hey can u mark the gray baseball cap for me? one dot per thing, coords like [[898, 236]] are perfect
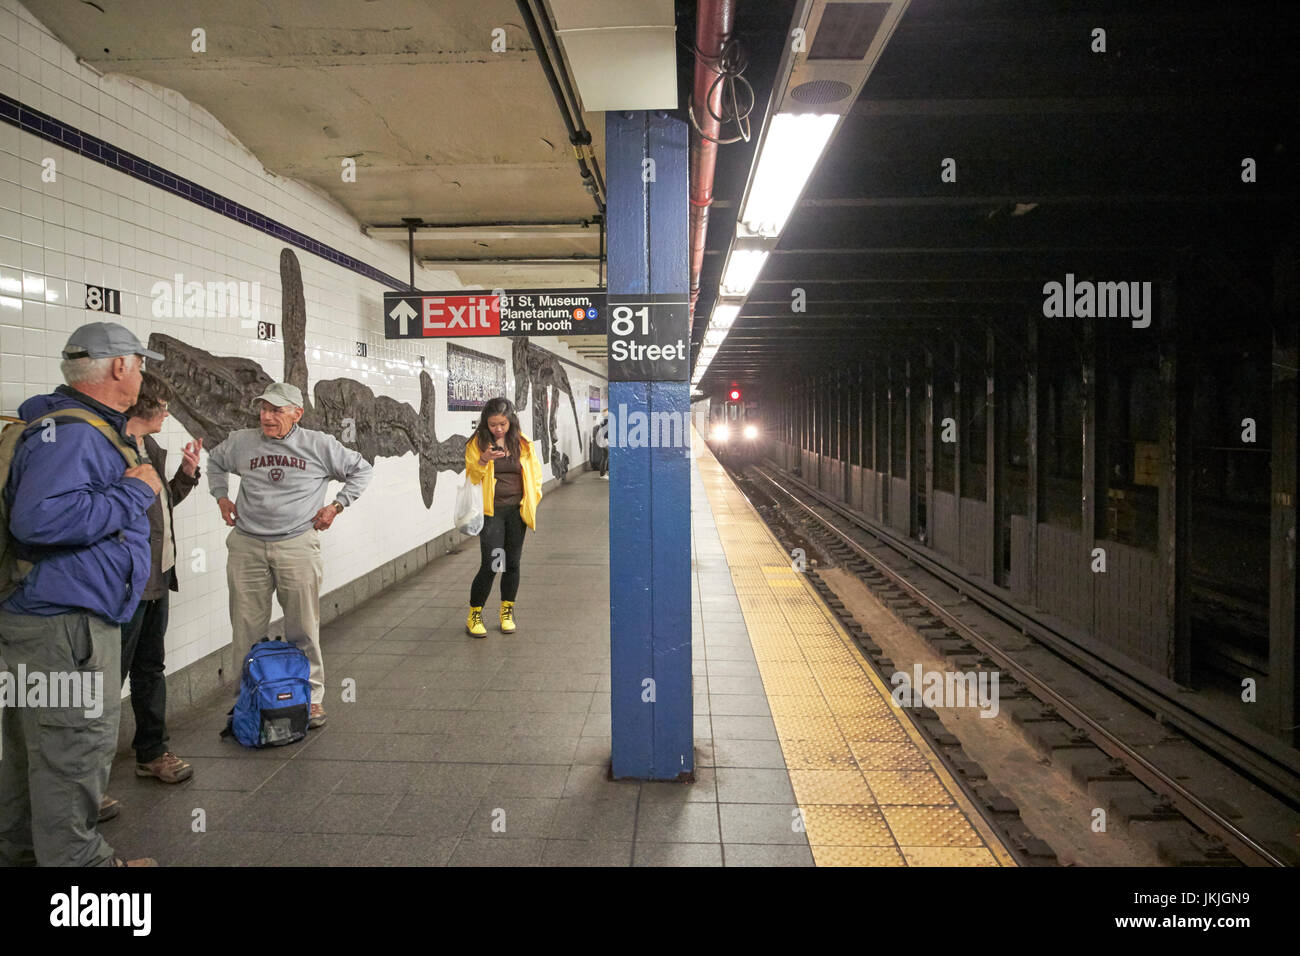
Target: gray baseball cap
[[98, 340], [280, 394]]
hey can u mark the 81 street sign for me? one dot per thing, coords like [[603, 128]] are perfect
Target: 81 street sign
[[647, 339], [420, 315]]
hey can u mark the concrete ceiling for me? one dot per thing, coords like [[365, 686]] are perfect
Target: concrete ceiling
[[441, 127], [1119, 165]]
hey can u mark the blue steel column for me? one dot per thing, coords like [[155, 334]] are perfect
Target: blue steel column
[[649, 505]]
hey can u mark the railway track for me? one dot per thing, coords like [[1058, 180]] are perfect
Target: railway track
[[1122, 741]]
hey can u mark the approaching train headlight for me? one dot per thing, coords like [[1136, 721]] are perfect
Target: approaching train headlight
[[721, 432], [751, 431]]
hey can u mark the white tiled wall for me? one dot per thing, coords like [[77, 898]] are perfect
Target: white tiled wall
[[98, 226]]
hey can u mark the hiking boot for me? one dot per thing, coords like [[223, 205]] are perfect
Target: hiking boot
[[507, 617], [317, 718], [168, 768], [474, 623], [143, 861], [108, 808]]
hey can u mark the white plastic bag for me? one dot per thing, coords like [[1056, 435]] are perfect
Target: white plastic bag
[[469, 508]]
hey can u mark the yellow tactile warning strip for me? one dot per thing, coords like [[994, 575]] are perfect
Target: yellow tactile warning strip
[[870, 791]]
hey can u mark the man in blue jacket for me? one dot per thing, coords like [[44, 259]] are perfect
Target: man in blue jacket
[[77, 505]]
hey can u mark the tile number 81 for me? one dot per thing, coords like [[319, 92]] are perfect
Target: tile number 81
[[622, 323], [99, 299]]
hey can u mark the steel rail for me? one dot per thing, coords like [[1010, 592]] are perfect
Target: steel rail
[[1184, 800]]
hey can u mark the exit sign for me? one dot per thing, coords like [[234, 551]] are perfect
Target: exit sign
[[421, 315], [440, 316]]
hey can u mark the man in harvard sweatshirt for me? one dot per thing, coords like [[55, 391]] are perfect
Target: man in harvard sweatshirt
[[283, 472]]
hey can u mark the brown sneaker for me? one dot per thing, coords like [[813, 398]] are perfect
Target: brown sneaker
[[317, 718], [143, 861], [168, 768], [108, 808]]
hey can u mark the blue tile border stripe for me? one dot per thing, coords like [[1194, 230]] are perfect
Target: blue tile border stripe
[[92, 147]]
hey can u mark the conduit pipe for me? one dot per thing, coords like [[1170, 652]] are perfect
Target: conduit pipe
[[714, 22], [581, 142]]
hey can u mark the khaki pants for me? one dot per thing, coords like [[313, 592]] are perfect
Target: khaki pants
[[293, 570], [55, 759]]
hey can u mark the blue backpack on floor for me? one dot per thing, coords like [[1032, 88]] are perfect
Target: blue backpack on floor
[[274, 696]]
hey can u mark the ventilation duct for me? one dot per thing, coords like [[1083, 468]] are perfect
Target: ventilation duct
[[841, 42], [621, 53]]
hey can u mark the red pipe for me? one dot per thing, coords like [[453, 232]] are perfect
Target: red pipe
[[715, 20]]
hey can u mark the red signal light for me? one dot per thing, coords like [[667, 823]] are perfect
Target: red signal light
[[735, 394]]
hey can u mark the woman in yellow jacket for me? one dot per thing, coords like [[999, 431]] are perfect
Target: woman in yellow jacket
[[504, 462]]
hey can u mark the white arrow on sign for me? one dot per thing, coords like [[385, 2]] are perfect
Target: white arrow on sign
[[402, 311]]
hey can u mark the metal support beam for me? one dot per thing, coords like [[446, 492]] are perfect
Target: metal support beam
[[959, 417], [651, 704], [887, 479], [1284, 676], [929, 448], [1031, 397], [862, 393], [907, 446], [1174, 501], [1088, 476], [1001, 514], [991, 475], [875, 447]]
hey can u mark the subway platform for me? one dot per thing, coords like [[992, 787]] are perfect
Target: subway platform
[[467, 752]]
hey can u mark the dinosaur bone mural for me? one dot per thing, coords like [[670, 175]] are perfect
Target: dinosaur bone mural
[[537, 371], [214, 396]]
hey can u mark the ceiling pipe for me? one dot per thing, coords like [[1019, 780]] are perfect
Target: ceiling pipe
[[584, 134], [580, 148], [438, 232], [714, 22]]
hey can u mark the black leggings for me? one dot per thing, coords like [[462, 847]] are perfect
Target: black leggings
[[502, 535]]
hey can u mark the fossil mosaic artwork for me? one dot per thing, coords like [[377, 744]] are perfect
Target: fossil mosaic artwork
[[540, 373], [214, 396]]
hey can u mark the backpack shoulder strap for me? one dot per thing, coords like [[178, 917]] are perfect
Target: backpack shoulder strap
[[129, 452]]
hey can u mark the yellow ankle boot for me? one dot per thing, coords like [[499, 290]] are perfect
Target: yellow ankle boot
[[507, 617], [474, 624]]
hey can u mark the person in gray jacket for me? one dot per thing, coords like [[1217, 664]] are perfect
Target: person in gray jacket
[[277, 520]]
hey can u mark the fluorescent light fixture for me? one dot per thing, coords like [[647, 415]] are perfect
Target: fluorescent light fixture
[[707, 352], [724, 314], [743, 267], [791, 148], [714, 336]]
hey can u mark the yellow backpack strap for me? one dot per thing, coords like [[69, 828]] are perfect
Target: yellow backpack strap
[[128, 451]]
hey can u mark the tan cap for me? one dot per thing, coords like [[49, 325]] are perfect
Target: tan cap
[[280, 394]]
